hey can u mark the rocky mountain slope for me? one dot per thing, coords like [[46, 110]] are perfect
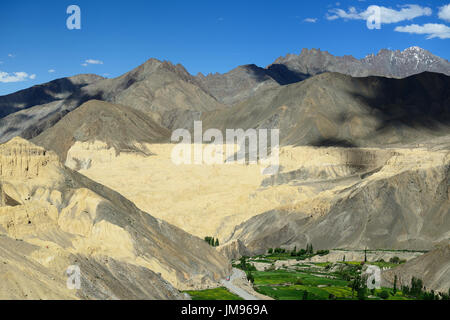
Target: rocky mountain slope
[[370, 198], [174, 98], [167, 93], [245, 81], [338, 110], [433, 268], [338, 117], [58, 89], [156, 88], [364, 163], [123, 128], [233, 250], [52, 217], [386, 63], [393, 198]]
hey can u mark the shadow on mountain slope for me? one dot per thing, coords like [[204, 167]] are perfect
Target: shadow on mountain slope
[[283, 75], [333, 109], [419, 101], [44, 93]]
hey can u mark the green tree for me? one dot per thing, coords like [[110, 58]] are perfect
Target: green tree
[[216, 244], [356, 284], [305, 295], [395, 284], [384, 294], [294, 252], [395, 260], [243, 263], [416, 286], [362, 292], [270, 251], [250, 277]]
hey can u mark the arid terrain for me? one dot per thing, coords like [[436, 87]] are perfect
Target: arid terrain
[[87, 176]]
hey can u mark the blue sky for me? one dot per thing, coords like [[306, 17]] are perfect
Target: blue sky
[[205, 36]]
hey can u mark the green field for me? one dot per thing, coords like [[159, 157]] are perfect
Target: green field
[[213, 294], [291, 285], [285, 276], [302, 280]]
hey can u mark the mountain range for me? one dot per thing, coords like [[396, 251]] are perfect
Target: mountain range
[[174, 98], [86, 175], [244, 81]]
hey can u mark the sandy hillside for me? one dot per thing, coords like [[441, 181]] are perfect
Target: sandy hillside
[[335, 197], [433, 268], [52, 217]]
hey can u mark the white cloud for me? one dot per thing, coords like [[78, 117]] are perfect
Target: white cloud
[[11, 55], [51, 71], [444, 12], [432, 30], [91, 61], [311, 20], [15, 76], [407, 12]]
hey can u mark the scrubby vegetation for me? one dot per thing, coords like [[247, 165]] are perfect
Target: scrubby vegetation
[[302, 254], [212, 241], [396, 260], [418, 291], [213, 294], [342, 280]]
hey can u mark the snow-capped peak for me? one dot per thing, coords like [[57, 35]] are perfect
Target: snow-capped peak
[[414, 49]]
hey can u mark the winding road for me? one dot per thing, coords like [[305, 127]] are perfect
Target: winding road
[[236, 275]]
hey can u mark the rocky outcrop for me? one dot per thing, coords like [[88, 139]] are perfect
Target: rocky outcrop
[[120, 128], [333, 109], [64, 218], [38, 272], [233, 250], [403, 205], [20, 159]]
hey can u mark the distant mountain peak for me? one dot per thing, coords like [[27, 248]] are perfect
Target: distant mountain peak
[[243, 81], [415, 49]]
